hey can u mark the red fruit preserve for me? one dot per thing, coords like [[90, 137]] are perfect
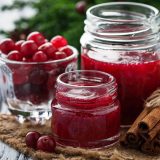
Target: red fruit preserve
[[86, 113], [135, 80], [127, 47]]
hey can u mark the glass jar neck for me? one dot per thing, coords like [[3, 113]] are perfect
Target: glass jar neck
[[122, 23], [86, 89]]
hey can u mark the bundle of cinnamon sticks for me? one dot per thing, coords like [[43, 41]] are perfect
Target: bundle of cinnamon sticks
[[144, 134]]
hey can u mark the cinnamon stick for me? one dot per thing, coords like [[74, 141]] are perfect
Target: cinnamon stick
[[132, 136], [148, 148], [149, 121], [152, 147], [153, 133]]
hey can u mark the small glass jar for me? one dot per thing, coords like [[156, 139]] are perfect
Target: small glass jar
[[86, 113], [27, 88], [122, 39]]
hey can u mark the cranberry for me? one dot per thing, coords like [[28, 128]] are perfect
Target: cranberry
[[48, 48], [18, 45], [27, 59], [28, 48], [32, 138], [37, 37], [67, 50], [36, 99], [39, 56], [38, 76], [19, 77], [15, 55], [52, 79], [46, 143], [23, 90], [7, 45], [81, 7], [59, 55], [59, 41]]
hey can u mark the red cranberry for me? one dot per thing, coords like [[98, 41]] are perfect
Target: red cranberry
[[59, 55], [81, 7], [48, 49], [7, 45], [46, 143], [23, 90], [25, 59], [36, 99], [38, 76], [51, 82], [15, 56], [32, 138], [18, 45], [19, 77], [28, 48], [37, 37], [67, 50], [59, 41], [39, 56]]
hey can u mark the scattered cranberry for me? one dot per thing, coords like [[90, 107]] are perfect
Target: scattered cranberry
[[32, 138], [67, 50], [7, 45], [39, 56], [46, 143], [28, 48], [48, 49], [15, 56], [59, 55], [37, 37], [81, 7], [59, 41], [18, 45]]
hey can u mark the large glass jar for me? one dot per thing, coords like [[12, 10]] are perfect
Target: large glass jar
[[122, 39]]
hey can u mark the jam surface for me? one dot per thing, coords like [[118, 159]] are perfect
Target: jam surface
[[85, 118], [137, 75]]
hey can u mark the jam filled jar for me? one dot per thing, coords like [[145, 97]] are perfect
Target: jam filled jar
[[122, 39], [86, 113]]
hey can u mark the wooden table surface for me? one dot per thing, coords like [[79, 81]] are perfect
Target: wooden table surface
[[6, 152]]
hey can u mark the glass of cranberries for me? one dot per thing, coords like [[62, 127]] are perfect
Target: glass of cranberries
[[29, 69]]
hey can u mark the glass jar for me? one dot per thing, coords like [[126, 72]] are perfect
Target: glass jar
[[27, 88], [122, 39], [86, 113]]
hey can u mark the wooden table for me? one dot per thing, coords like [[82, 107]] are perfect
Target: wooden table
[[8, 153]]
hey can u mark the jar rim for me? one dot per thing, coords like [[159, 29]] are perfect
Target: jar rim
[[122, 24], [111, 79], [89, 11]]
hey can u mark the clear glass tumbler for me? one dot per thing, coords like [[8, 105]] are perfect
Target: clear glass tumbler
[[28, 87]]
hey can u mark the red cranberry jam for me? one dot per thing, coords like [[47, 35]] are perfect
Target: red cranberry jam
[[86, 113]]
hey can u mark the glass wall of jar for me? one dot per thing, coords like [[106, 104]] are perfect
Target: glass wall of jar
[[122, 39], [86, 113]]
